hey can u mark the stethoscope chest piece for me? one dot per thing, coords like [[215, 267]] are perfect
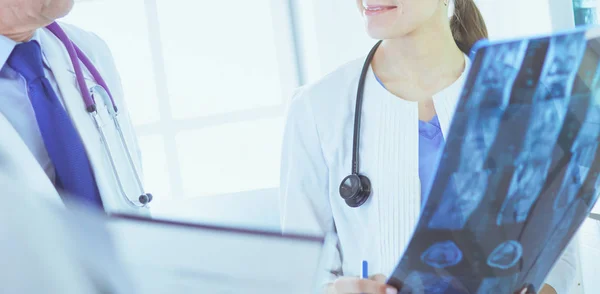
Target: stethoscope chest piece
[[355, 190]]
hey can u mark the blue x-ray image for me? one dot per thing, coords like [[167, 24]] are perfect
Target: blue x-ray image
[[426, 283], [460, 199], [563, 227], [499, 67], [546, 122], [442, 255], [593, 115], [577, 171], [589, 132], [567, 224], [497, 285], [591, 188], [501, 64], [527, 83], [591, 192], [552, 248], [568, 50], [506, 255], [552, 95], [519, 173], [524, 189], [481, 132], [566, 53]]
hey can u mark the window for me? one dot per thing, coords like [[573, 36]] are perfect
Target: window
[[206, 85]]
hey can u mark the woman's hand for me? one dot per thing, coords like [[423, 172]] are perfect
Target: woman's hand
[[351, 285], [376, 285], [547, 289]]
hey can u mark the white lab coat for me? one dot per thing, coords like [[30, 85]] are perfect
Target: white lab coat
[[36, 248], [58, 60], [45, 248], [317, 153]]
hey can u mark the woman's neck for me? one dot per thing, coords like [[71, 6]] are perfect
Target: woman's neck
[[425, 54], [418, 66]]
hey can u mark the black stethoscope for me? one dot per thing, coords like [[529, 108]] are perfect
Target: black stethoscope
[[355, 189]]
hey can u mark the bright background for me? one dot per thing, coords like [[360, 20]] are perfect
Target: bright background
[[207, 83]]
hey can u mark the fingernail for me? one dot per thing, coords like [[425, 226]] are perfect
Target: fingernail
[[391, 291]]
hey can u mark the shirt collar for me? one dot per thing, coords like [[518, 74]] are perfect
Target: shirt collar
[[7, 46]]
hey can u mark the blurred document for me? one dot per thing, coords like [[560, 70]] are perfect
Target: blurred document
[[172, 257]]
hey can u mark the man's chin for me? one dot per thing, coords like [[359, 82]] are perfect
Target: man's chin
[[20, 37], [57, 9], [20, 21], [68, 7]]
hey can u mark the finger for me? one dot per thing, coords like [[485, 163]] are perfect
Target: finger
[[379, 278], [355, 286], [525, 290]]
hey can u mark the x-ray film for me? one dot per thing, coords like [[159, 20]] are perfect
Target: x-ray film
[[520, 169]]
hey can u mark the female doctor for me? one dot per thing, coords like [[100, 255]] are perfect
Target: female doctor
[[60, 94], [409, 93]]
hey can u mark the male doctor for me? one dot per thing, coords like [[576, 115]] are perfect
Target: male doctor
[[44, 125]]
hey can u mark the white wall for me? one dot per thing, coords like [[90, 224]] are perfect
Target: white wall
[[207, 93], [251, 209], [333, 33]]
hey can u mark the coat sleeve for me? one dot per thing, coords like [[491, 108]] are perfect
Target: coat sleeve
[[304, 183], [563, 274]]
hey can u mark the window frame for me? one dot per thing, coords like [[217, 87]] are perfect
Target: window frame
[[167, 127]]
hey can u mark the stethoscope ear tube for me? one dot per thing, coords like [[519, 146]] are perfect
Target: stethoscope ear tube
[[355, 189], [99, 92], [358, 109], [76, 56]]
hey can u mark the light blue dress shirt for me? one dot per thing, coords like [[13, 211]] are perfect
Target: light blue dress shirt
[[16, 107]]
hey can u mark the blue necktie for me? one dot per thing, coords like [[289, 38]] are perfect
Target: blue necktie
[[73, 170]]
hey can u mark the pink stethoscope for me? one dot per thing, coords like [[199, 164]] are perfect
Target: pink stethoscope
[[102, 92]]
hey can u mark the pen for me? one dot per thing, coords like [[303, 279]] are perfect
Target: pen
[[365, 275], [365, 270]]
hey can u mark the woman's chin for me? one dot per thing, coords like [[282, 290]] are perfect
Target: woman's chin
[[383, 33]]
